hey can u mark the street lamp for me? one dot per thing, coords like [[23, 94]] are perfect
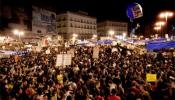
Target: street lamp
[[111, 33], [18, 33], [160, 23], [158, 26], [166, 15]]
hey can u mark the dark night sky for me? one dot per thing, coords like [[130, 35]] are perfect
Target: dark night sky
[[106, 9], [112, 9]]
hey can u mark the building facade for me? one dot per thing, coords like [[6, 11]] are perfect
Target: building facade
[[43, 21], [70, 23], [118, 28]]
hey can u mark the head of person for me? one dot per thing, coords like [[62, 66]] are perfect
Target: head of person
[[113, 92]]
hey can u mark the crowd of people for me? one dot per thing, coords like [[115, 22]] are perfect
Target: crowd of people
[[114, 75]]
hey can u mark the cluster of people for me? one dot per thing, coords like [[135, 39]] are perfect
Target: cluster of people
[[114, 75]]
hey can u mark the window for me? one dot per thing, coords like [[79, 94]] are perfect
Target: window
[[87, 27], [94, 27], [63, 25], [58, 26], [58, 19], [53, 16], [75, 20], [81, 26], [71, 25], [39, 31], [71, 19], [63, 19], [84, 26], [78, 20], [75, 26]]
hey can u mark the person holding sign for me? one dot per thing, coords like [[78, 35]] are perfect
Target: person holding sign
[[151, 77]]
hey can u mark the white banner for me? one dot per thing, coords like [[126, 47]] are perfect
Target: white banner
[[95, 52], [59, 60], [63, 59], [67, 59]]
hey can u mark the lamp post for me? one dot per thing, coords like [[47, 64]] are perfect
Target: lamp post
[[165, 15], [158, 26], [18, 33]]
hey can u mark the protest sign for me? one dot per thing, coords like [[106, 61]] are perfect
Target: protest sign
[[151, 77], [96, 52], [63, 59]]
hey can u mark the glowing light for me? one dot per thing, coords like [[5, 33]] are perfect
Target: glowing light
[[111, 32], [166, 14], [160, 23]]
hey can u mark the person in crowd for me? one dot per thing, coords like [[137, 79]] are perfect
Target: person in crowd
[[114, 75]]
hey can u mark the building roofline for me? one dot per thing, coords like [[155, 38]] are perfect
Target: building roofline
[[76, 13], [112, 21]]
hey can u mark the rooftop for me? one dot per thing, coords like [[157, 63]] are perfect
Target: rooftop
[[80, 13]]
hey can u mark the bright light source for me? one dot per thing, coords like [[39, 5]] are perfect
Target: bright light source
[[21, 33], [111, 32], [166, 14], [75, 35], [160, 23], [157, 28], [16, 32], [94, 36]]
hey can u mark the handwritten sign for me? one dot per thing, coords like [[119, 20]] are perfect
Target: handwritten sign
[[63, 59], [95, 52], [151, 77]]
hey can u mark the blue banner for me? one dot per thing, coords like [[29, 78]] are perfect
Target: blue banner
[[160, 45]]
